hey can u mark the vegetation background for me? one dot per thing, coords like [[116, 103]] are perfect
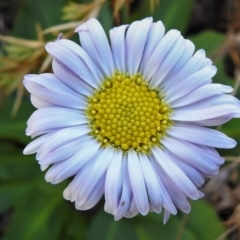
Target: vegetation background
[[32, 209]]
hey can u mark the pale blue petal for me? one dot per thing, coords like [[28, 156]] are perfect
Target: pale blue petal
[[113, 182], [201, 135], [187, 153], [200, 93], [117, 37], [154, 36], [187, 54], [184, 86], [175, 173], [62, 170], [135, 42], [76, 83], [168, 63], [137, 183], [94, 41], [152, 184], [207, 113], [98, 170], [75, 62], [159, 53]]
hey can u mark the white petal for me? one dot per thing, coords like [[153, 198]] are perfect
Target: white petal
[[187, 54], [176, 194], [167, 201], [72, 80], [135, 42], [210, 150], [93, 198], [137, 183], [65, 151], [98, 170], [55, 97], [75, 48], [133, 210], [166, 216], [192, 66], [159, 54], [50, 81], [200, 93], [219, 111], [126, 195], [75, 62], [184, 150], [60, 171], [107, 208], [117, 37], [39, 103], [209, 153], [43, 120], [207, 62], [194, 175], [35, 145], [201, 195], [184, 86], [201, 135], [213, 121], [74, 187], [211, 101], [114, 181], [152, 184], [95, 43], [43, 167], [62, 137], [168, 63], [175, 173], [154, 36]]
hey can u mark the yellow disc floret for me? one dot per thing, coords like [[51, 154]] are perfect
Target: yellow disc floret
[[127, 114]]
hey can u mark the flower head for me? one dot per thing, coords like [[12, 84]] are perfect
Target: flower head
[[128, 120]]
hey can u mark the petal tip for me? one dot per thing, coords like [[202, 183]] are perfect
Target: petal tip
[[80, 28]]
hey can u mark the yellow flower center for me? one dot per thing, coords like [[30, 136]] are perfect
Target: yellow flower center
[[127, 114]]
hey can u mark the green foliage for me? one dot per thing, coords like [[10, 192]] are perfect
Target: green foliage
[[36, 209], [46, 13], [13, 129], [201, 223], [105, 17], [174, 15], [209, 40]]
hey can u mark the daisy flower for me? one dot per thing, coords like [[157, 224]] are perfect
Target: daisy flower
[[129, 120]]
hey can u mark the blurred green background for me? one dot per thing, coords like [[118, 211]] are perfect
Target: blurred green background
[[32, 209]]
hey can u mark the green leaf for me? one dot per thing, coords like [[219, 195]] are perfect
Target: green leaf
[[40, 212], [208, 40], [46, 13], [204, 221], [232, 128], [174, 14], [33, 219], [221, 76], [13, 128], [75, 224], [105, 18], [11, 194], [15, 166], [149, 227]]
